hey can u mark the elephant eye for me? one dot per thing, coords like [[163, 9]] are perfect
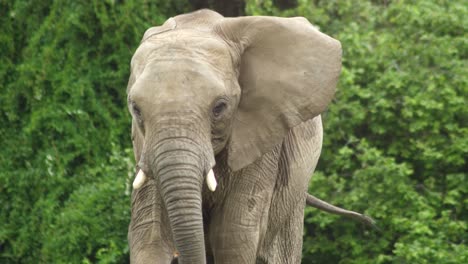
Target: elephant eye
[[219, 108], [136, 110]]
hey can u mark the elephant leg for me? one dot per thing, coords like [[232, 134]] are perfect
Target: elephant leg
[[148, 236], [283, 242], [290, 238], [239, 221], [285, 246]]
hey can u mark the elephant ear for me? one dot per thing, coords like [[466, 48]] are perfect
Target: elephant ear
[[288, 72]]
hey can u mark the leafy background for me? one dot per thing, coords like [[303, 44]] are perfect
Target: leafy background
[[395, 147]]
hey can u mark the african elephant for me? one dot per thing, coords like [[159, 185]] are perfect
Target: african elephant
[[235, 102]]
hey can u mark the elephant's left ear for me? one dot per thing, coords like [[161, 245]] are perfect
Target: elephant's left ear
[[288, 71]]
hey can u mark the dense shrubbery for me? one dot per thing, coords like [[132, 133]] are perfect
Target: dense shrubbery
[[395, 146]]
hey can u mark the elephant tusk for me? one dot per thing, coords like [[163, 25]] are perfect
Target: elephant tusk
[[139, 179], [211, 181]]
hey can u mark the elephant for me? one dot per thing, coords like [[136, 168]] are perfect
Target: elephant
[[236, 103]]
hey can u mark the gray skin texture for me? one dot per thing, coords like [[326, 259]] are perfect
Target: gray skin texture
[[242, 96]]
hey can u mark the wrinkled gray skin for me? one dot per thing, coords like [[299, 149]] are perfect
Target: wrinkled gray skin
[[241, 95]]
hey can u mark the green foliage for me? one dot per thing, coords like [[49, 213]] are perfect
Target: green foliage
[[395, 142]]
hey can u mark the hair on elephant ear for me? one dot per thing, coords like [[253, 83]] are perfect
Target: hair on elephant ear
[[288, 71]]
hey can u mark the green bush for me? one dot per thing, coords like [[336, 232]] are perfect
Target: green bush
[[395, 142]]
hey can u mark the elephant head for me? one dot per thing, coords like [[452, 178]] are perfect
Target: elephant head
[[202, 85]]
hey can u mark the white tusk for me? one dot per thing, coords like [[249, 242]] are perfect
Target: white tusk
[[211, 181], [139, 179]]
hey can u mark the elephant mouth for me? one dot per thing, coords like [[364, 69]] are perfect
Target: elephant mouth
[[218, 139], [218, 143]]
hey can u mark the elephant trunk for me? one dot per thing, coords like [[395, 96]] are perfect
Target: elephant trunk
[[180, 169]]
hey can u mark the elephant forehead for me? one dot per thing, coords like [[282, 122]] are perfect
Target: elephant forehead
[[177, 68], [186, 44], [177, 81]]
